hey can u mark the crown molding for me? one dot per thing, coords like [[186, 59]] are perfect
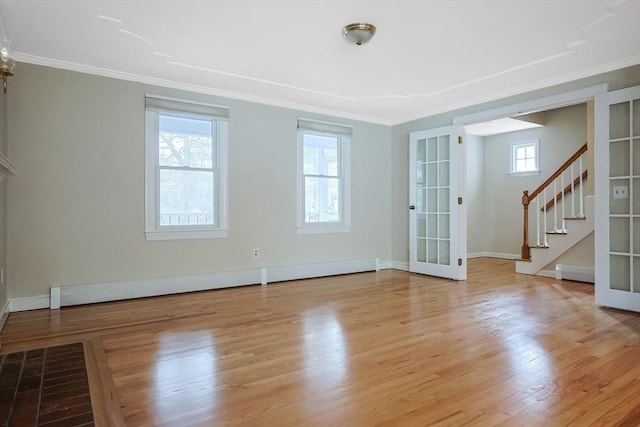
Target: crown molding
[[558, 80], [105, 72], [122, 75]]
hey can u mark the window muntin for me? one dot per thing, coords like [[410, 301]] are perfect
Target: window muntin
[[525, 157], [185, 170]]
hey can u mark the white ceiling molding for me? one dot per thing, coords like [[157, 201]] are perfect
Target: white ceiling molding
[[87, 69]]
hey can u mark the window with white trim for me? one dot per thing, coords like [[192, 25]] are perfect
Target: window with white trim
[[324, 204], [525, 159], [185, 169]]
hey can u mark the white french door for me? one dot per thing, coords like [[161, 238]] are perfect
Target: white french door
[[617, 190], [437, 224]]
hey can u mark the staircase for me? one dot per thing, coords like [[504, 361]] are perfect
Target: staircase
[[559, 221]]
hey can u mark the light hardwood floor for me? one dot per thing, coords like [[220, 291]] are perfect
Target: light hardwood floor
[[387, 348]]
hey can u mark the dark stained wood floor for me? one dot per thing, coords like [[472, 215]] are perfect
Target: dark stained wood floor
[[387, 348]]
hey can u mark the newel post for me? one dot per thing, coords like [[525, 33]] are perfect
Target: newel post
[[526, 252]]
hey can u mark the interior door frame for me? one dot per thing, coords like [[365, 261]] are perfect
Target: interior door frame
[[534, 105]]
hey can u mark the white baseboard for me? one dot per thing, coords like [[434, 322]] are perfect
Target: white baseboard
[[4, 314], [575, 273], [492, 255], [546, 273], [28, 303], [102, 292], [305, 271], [394, 265]]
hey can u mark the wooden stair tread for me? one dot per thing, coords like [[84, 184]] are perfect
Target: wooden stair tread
[[556, 232], [575, 218], [539, 247]]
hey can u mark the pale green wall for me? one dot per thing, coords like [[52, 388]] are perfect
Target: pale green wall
[[563, 133], [476, 199], [76, 206]]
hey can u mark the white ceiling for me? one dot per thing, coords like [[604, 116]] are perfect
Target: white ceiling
[[427, 56], [498, 126]]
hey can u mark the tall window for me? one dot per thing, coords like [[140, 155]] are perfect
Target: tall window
[[324, 177], [524, 158], [185, 169]]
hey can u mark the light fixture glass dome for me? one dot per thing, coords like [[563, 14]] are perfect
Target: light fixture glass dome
[[359, 33], [6, 55]]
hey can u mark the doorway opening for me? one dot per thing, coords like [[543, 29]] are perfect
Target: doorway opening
[[506, 154]]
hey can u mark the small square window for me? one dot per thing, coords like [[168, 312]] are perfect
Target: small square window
[[525, 158]]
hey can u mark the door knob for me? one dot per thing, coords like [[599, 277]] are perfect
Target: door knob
[[412, 207]]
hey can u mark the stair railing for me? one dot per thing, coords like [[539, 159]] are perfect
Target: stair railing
[[559, 218]]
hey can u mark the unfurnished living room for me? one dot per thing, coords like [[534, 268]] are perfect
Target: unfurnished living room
[[320, 213]]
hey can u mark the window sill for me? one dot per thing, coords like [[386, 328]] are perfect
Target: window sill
[[527, 173], [324, 229], [186, 234]]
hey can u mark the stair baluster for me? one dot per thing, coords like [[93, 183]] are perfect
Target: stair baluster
[[538, 220], [557, 198], [544, 232], [581, 200], [573, 194]]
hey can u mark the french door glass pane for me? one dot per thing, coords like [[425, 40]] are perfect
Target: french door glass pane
[[186, 197], [618, 206], [636, 117], [636, 274], [620, 272], [420, 201], [432, 174], [443, 199], [444, 252], [636, 236], [619, 155], [421, 155], [444, 226], [432, 149], [432, 200], [185, 141], [636, 195], [433, 226], [321, 199], [443, 147], [619, 121], [444, 173], [619, 235], [636, 155], [421, 226], [432, 251], [421, 250]]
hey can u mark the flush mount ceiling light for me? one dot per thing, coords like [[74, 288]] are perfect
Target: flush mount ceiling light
[[359, 33]]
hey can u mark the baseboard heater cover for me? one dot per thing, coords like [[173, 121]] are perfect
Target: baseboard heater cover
[[575, 273], [114, 291]]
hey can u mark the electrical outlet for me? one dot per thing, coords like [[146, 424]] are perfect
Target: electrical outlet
[[256, 253], [620, 192]]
